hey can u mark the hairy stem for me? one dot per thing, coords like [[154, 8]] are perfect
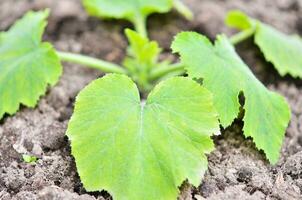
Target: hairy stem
[[183, 9], [140, 25], [163, 71], [95, 63], [243, 35]]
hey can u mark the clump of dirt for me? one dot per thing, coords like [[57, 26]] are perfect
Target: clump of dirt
[[237, 170]]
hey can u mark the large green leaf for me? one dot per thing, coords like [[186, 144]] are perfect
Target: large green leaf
[[142, 150], [223, 72], [283, 51], [27, 65]]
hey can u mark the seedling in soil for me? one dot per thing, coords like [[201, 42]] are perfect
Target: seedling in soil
[[138, 148], [29, 159]]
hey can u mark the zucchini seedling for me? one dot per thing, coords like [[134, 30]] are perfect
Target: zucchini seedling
[[138, 148]]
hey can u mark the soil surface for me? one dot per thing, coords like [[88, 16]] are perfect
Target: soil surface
[[236, 171]]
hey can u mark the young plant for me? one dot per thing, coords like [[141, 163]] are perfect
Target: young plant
[[152, 145], [28, 65], [144, 149], [142, 57], [29, 159]]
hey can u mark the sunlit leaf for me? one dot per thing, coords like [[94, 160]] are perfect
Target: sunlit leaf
[[27, 65], [223, 72], [282, 50], [142, 150]]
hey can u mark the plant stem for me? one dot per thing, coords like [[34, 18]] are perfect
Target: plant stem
[[183, 9], [140, 25], [155, 74], [163, 71], [95, 63], [243, 35]]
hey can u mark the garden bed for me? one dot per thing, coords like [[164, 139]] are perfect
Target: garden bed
[[237, 170]]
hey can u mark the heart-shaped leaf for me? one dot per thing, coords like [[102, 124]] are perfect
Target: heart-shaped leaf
[[142, 150]]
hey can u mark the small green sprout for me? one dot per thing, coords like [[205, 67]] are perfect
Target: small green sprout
[[29, 159]]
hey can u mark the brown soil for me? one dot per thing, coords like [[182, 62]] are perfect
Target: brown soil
[[236, 169]]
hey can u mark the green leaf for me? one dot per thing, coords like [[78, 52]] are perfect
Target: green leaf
[[283, 51], [142, 50], [130, 9], [223, 72], [29, 159], [142, 56], [142, 150], [27, 65], [126, 9], [135, 11], [238, 19]]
